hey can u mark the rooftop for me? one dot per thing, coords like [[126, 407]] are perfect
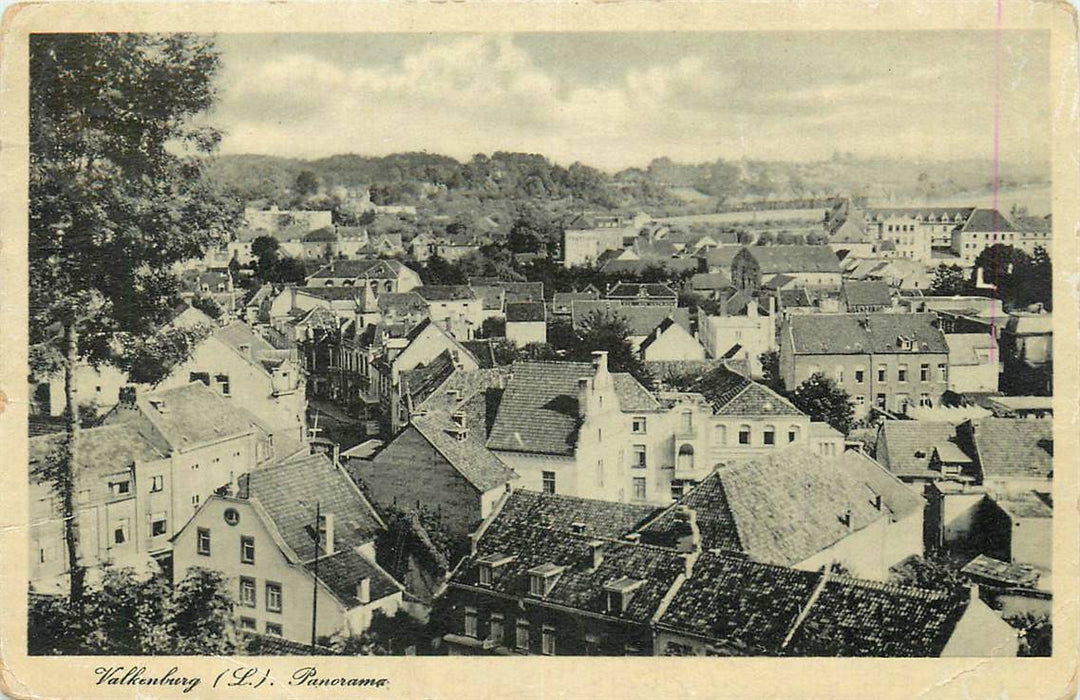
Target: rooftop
[[877, 333], [1010, 448], [640, 319], [445, 292], [866, 293], [794, 258], [343, 570], [525, 311], [102, 450], [186, 417], [911, 443]]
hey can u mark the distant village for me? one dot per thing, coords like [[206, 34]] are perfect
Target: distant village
[[799, 428]]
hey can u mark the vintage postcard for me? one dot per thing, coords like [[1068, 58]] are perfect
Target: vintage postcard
[[549, 349]]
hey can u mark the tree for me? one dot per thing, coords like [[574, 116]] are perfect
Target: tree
[[307, 183], [950, 280], [493, 327], [766, 238], [288, 271], [605, 330], [207, 305], [770, 369], [822, 400], [117, 196], [129, 616], [744, 237]]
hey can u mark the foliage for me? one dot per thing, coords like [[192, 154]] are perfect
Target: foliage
[[149, 359], [1019, 279], [493, 327], [117, 196], [950, 280], [128, 616], [770, 369], [932, 572], [1036, 634], [307, 183], [821, 399], [606, 330], [207, 305]]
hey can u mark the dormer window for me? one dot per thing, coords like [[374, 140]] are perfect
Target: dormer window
[[487, 564], [620, 592], [543, 578]]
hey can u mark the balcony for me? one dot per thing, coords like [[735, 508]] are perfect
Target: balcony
[[686, 462]]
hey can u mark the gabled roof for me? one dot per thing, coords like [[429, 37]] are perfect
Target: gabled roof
[[733, 394], [858, 334], [911, 443], [101, 450], [640, 319], [964, 348], [1015, 447], [578, 585], [186, 417], [238, 335], [720, 256], [343, 570], [401, 302], [445, 292], [483, 350], [423, 380], [353, 268], [559, 512], [320, 235], [779, 508], [525, 311], [708, 281], [866, 293], [653, 290], [772, 259], [561, 302], [792, 298], [658, 332], [899, 498], [987, 221], [492, 297], [289, 490]]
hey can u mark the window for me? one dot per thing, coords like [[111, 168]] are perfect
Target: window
[[924, 400], [522, 635], [860, 376], [924, 372], [273, 596], [676, 490], [881, 370], [639, 457], [744, 434], [195, 501], [639, 488], [769, 436], [592, 644], [720, 431], [157, 483], [839, 375], [273, 629], [247, 623], [860, 400], [203, 377], [901, 373], [549, 482], [157, 524], [496, 632], [470, 622], [247, 592], [485, 574], [121, 532], [547, 641], [232, 517], [202, 540], [637, 426], [879, 401], [222, 381], [792, 434], [119, 488], [247, 550], [943, 372]]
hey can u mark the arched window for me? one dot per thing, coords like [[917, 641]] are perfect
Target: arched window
[[744, 434], [768, 437], [686, 458], [329, 283], [793, 433], [720, 434]]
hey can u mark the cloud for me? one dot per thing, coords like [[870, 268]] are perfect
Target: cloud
[[463, 94]]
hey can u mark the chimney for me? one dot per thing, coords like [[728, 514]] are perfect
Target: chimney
[[751, 309], [337, 454], [633, 538], [582, 396], [845, 518], [973, 592], [772, 305], [723, 303], [599, 362], [326, 532], [363, 591], [596, 549]]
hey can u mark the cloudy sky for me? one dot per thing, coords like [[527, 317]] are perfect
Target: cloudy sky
[[619, 100]]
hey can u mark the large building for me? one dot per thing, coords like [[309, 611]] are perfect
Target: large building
[[887, 361], [810, 266]]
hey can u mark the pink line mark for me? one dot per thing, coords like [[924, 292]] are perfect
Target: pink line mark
[[995, 179]]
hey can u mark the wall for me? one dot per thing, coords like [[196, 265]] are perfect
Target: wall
[[673, 345], [411, 471], [755, 334], [863, 553], [270, 565], [1032, 542], [524, 332], [981, 632]]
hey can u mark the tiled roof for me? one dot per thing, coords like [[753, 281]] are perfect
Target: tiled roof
[[423, 380], [482, 350], [794, 258], [1015, 448], [927, 214], [238, 333], [325, 234], [492, 297], [730, 393], [652, 290], [189, 416], [789, 505], [445, 292], [866, 293], [609, 519], [721, 256], [633, 396], [640, 319], [745, 607], [794, 298], [910, 444], [1025, 504], [1001, 572], [1034, 224], [525, 311], [105, 449], [862, 618], [988, 221], [847, 334], [523, 291], [713, 515], [710, 281], [579, 586], [289, 490], [900, 499], [562, 301], [401, 302], [333, 293], [342, 571], [373, 268], [539, 409], [465, 452], [964, 348]]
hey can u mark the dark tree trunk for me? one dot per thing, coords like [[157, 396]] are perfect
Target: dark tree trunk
[[66, 478]]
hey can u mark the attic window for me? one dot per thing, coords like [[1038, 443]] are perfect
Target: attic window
[[619, 593], [577, 528], [488, 563], [920, 454], [543, 578]]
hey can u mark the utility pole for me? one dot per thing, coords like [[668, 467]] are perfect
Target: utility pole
[[315, 579]]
